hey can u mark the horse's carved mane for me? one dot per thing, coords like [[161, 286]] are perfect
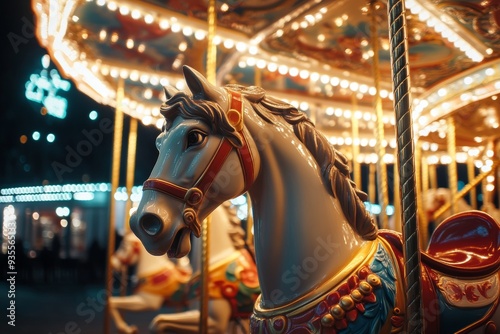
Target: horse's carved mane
[[333, 164]]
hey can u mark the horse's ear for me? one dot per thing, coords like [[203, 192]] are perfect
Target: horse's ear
[[204, 90], [169, 92]]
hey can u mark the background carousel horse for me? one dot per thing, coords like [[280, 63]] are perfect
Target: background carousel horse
[[323, 266], [233, 284], [159, 281], [433, 199]]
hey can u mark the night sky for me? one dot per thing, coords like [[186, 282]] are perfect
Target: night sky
[[40, 162]]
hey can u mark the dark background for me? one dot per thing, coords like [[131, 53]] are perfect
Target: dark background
[[49, 303], [32, 163]]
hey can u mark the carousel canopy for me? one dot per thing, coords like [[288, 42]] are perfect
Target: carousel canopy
[[317, 55]]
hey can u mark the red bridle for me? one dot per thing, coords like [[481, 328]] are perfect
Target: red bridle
[[193, 197]]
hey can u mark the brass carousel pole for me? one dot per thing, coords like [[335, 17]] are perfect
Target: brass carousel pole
[[115, 178], [211, 70], [425, 175], [470, 176], [452, 167], [383, 197], [132, 145], [425, 187], [355, 142], [371, 183], [211, 47], [498, 184], [420, 209], [397, 201], [404, 134], [433, 176]]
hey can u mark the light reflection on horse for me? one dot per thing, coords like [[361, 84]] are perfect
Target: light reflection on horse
[[160, 281], [323, 266]]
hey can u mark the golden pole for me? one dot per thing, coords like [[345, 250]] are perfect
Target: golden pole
[[397, 201], [205, 238], [383, 197], [132, 144], [452, 167], [371, 183], [205, 243], [470, 176], [115, 178], [425, 188], [211, 47], [355, 142], [425, 174], [418, 183], [498, 184], [433, 176]]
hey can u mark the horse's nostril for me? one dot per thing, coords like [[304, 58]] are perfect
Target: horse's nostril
[[151, 224]]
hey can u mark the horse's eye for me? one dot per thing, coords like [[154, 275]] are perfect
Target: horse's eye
[[195, 137]]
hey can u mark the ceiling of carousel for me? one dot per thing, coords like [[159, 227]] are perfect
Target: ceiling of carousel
[[315, 54]]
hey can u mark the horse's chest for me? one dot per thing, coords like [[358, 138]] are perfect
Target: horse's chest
[[363, 303]]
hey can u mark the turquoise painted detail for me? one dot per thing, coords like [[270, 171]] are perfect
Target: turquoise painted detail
[[376, 314]]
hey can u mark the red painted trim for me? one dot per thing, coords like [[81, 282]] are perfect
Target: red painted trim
[[166, 187], [214, 166]]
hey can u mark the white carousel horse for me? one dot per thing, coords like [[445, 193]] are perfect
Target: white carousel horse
[[233, 284], [433, 199], [323, 266], [159, 281]]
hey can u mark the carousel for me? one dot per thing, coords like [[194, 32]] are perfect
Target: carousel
[[364, 137]]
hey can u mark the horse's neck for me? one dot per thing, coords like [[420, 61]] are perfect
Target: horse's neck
[[220, 244], [301, 235]]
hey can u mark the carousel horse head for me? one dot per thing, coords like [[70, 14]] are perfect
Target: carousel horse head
[[210, 151], [205, 158]]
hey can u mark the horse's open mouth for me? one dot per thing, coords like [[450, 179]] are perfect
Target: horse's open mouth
[[181, 245]]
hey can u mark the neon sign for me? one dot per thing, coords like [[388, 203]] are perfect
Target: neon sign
[[43, 88]]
